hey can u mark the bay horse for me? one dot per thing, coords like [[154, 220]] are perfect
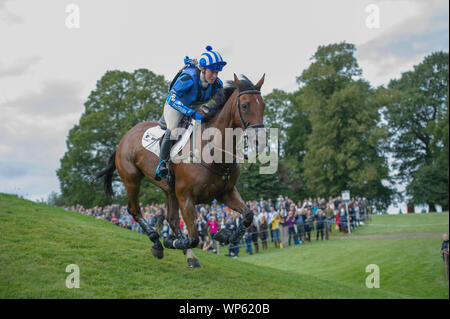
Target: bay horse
[[238, 105]]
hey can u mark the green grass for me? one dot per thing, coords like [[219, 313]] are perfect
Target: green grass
[[409, 268], [406, 224], [37, 242]]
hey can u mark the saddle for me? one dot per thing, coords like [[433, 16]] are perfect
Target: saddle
[[152, 139], [153, 136], [185, 122]]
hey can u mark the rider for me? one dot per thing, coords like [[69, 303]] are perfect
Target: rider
[[196, 84]]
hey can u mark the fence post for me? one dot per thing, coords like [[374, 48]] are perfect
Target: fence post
[[216, 243], [348, 219]]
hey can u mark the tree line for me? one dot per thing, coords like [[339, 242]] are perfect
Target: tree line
[[336, 132]]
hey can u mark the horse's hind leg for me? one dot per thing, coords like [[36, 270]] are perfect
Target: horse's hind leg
[[173, 215], [189, 216], [132, 186], [177, 240]]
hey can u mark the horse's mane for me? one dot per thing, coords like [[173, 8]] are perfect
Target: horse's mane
[[223, 95]]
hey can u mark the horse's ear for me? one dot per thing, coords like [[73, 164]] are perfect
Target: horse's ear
[[260, 82], [236, 80]]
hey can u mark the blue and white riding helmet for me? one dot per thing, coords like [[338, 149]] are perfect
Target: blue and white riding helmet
[[212, 60]]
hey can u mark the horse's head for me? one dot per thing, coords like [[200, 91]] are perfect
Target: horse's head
[[249, 110], [240, 105], [249, 107]]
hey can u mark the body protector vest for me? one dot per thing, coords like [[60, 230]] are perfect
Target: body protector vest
[[187, 91]]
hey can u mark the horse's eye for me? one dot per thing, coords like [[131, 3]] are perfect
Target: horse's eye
[[245, 106]]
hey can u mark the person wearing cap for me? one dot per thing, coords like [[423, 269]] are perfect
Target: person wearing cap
[[196, 84]]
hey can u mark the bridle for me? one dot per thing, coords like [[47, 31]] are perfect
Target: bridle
[[226, 171], [245, 125]]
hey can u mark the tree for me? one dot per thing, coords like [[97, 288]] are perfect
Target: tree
[[345, 147], [297, 128], [55, 199], [442, 132], [119, 101], [253, 185], [285, 111], [278, 104], [417, 116]]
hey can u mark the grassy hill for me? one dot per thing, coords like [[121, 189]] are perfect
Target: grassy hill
[[37, 242]]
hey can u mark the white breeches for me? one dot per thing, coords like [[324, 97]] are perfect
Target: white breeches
[[171, 116]]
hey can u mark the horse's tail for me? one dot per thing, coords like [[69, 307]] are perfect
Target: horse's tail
[[108, 172]]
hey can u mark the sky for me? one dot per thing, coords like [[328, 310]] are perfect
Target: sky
[[48, 67]]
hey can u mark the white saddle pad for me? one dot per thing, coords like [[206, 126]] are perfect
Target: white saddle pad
[[152, 137]]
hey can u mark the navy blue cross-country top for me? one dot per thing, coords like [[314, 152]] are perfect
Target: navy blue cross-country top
[[188, 91]]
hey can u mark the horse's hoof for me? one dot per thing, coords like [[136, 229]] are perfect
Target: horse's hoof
[[158, 253], [223, 236], [193, 263]]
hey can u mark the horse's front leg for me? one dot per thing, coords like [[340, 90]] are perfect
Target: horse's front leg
[[179, 240], [234, 201]]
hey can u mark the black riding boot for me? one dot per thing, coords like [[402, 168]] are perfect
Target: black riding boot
[[164, 155]]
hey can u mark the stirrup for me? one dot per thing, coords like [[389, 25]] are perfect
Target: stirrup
[[158, 174]]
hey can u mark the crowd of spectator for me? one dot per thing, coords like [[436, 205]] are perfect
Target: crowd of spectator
[[281, 223]]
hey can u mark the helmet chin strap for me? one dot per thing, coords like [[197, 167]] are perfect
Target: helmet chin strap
[[203, 78]]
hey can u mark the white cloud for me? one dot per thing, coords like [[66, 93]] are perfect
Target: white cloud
[[8, 16], [18, 68], [55, 98], [387, 68], [33, 130], [398, 48]]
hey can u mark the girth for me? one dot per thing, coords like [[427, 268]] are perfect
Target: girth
[[224, 171]]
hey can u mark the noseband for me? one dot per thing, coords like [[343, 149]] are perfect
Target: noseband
[[238, 105]]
